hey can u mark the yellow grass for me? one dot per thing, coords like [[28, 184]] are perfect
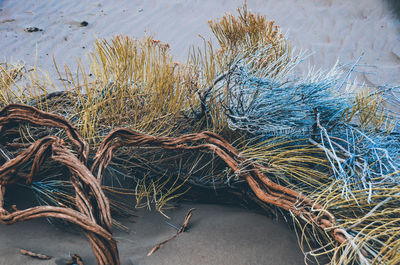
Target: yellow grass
[[251, 33], [137, 84], [134, 84], [22, 84], [369, 111]]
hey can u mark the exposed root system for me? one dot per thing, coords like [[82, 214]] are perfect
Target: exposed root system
[[92, 211], [263, 187]]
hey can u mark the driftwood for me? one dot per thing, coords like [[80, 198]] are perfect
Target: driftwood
[[264, 188], [14, 113], [92, 211]]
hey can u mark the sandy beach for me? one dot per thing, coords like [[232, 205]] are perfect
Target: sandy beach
[[216, 235], [328, 31]]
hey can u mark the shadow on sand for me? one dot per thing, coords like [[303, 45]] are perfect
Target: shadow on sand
[[394, 6]]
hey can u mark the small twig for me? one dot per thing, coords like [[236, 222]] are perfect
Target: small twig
[[34, 255], [156, 247], [75, 259], [186, 222], [181, 230]]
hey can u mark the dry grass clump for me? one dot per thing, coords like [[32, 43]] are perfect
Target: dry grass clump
[[372, 226], [369, 111], [247, 28], [248, 41], [20, 84], [340, 181], [135, 84], [251, 33], [369, 217]]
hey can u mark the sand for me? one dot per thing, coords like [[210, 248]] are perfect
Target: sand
[[328, 29], [216, 235]]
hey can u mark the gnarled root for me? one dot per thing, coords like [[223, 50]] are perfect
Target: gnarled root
[[15, 113], [262, 186], [93, 210]]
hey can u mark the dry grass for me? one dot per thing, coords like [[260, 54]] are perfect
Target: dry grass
[[135, 84], [252, 33], [290, 161], [372, 226], [369, 112], [247, 39], [247, 28], [22, 84], [207, 69], [158, 192]]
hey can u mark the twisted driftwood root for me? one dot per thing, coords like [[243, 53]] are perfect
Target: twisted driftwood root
[[263, 187], [93, 210], [14, 113]]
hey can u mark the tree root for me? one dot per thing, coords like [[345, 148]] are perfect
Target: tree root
[[264, 188], [93, 210], [14, 113]]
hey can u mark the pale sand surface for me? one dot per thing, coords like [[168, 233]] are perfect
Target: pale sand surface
[[330, 29], [216, 235]]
